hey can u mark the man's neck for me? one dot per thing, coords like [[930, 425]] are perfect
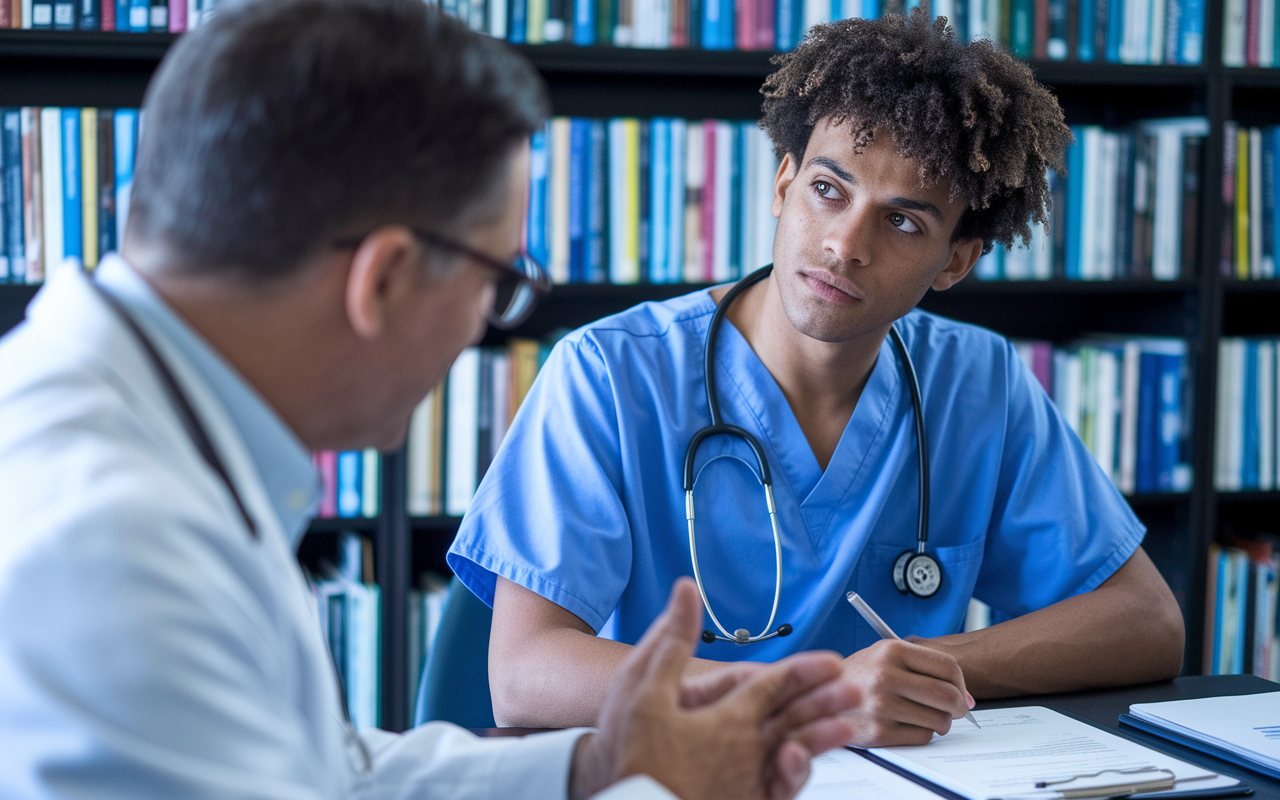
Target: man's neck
[[822, 381]]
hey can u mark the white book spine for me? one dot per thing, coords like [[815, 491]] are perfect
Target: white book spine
[[1041, 253], [945, 8], [676, 157], [1074, 407], [370, 488], [1104, 418], [418, 450], [1266, 356], [816, 12], [1110, 186], [498, 19], [724, 187], [461, 456], [662, 23], [500, 385], [1255, 204], [991, 19], [620, 268], [1155, 52], [558, 208], [51, 166], [746, 208], [1128, 477], [1168, 197], [1267, 33], [1089, 231], [1221, 480], [26, 13], [1235, 416], [1133, 42], [1233, 12]]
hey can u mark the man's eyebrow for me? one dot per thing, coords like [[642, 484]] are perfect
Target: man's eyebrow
[[841, 172], [918, 205], [901, 202]]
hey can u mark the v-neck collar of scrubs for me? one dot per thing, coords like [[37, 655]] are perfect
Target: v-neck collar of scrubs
[[751, 390]]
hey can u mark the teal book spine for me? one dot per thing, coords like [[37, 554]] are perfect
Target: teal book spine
[[72, 206]]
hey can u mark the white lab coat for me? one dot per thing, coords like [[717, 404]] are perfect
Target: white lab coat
[[149, 647]]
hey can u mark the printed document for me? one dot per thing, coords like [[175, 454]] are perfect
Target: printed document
[[1018, 747], [842, 775], [1247, 725]]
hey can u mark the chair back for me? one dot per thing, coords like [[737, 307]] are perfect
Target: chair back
[[455, 680]]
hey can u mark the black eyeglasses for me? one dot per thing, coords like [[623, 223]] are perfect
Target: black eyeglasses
[[518, 287]]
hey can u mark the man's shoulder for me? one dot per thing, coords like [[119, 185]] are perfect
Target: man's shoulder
[[929, 336], [646, 327]]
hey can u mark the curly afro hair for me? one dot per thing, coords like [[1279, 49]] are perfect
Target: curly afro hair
[[969, 113]]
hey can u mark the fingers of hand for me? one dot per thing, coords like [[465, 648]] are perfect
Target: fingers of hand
[[676, 642], [827, 700], [700, 690], [673, 622], [776, 686], [918, 673], [790, 771], [825, 734]]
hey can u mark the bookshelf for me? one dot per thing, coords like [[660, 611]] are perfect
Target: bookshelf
[[69, 68]]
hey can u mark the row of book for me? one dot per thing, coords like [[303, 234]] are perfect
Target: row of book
[[457, 428], [1115, 31], [1129, 401], [1250, 214], [1240, 635], [349, 606], [1128, 208], [67, 174], [426, 606], [1245, 436], [660, 200], [350, 483], [1250, 31]]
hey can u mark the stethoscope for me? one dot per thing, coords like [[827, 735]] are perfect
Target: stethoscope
[[915, 572], [357, 752]]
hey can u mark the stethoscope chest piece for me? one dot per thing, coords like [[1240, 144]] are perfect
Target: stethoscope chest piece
[[917, 574]]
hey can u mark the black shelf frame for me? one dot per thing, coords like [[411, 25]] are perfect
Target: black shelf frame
[[75, 68]]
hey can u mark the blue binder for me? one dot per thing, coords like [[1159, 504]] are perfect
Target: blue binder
[[1197, 745]]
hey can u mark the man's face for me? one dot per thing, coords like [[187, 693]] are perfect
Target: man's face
[[448, 314], [859, 241]]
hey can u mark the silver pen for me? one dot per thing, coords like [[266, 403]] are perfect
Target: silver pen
[[882, 628]]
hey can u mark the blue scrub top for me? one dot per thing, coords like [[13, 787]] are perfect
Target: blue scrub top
[[583, 503]]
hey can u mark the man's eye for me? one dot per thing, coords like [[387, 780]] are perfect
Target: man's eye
[[903, 223], [824, 189]]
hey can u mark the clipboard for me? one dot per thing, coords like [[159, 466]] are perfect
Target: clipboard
[[1239, 790]]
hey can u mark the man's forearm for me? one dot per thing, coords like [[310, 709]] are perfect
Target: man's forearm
[[1129, 630]]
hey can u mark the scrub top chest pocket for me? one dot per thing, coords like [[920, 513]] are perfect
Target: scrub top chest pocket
[[939, 615]]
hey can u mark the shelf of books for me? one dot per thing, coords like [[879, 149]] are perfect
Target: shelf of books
[[1144, 318]]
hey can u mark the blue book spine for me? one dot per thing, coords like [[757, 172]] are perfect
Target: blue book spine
[[1223, 567], [584, 22], [348, 479], [125, 136], [1084, 42], [784, 16], [1249, 458], [538, 244], [1191, 32], [1075, 202], [597, 271], [519, 14], [1268, 202], [1172, 24], [1171, 421], [713, 13], [90, 16], [675, 206], [122, 14], [1115, 28], [1148, 412], [64, 15], [41, 14], [836, 10], [14, 232], [72, 207], [659, 196], [871, 8], [727, 32], [579, 184], [139, 16]]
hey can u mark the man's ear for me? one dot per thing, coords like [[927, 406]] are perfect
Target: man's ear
[[964, 254], [380, 270], [787, 172]]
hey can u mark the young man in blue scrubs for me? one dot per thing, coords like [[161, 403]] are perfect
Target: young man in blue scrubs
[[905, 155]]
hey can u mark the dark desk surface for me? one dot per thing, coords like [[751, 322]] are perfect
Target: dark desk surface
[[1103, 708]]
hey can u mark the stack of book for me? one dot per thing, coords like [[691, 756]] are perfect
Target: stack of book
[[65, 194], [1250, 214], [1128, 208], [458, 427], [350, 483], [1245, 437], [1240, 608], [1128, 400], [661, 200], [349, 606], [1249, 33]]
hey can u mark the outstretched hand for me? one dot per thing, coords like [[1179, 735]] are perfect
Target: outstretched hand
[[745, 731]]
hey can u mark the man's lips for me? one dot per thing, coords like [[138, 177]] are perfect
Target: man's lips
[[832, 288]]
